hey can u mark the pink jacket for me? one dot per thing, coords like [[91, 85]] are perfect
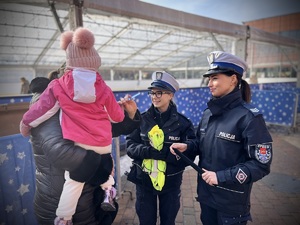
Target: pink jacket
[[88, 107]]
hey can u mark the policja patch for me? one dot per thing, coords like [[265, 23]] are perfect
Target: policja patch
[[263, 152]]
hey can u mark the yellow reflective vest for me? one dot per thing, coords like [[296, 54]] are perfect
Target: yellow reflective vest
[[156, 170]]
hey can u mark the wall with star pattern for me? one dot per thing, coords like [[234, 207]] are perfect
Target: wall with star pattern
[[17, 181]]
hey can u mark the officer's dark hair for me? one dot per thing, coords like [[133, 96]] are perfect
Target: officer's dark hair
[[243, 86], [246, 91]]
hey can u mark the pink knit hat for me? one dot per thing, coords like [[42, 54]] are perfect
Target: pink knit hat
[[80, 51]]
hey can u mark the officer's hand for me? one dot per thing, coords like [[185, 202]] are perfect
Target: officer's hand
[[210, 177], [179, 146]]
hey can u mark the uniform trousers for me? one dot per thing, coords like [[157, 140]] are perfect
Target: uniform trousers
[[146, 206], [211, 216]]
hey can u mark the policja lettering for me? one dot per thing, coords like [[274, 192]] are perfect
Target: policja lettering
[[227, 135], [172, 138]]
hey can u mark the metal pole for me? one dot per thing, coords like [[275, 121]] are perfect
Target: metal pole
[[118, 167], [75, 14], [55, 15]]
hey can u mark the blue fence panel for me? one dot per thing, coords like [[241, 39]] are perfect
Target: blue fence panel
[[255, 86], [278, 107], [298, 92], [275, 86], [191, 102], [15, 99], [17, 180], [287, 86]]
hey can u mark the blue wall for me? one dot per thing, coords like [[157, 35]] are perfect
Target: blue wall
[[277, 101]]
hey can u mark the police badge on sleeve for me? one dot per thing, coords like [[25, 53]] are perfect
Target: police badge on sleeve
[[263, 152]]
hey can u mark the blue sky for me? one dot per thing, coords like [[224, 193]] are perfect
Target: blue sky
[[234, 11]]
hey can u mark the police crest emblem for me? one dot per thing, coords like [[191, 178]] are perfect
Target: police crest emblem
[[159, 75], [211, 58], [263, 152]]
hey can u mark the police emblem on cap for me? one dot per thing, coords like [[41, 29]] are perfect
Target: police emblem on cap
[[263, 152], [164, 80], [211, 57], [159, 75]]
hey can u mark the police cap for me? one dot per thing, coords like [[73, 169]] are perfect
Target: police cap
[[165, 81], [223, 62]]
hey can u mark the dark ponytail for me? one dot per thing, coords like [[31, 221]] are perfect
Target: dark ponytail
[[246, 91]]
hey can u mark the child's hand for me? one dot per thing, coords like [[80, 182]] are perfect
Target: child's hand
[[24, 129]]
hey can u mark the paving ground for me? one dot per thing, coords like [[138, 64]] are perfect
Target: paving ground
[[275, 199]]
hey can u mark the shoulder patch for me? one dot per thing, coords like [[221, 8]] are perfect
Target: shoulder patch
[[255, 111], [263, 152]]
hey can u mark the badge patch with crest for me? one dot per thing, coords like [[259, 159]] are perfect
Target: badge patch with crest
[[263, 152]]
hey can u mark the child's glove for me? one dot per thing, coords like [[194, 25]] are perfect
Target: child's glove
[[24, 129], [156, 136]]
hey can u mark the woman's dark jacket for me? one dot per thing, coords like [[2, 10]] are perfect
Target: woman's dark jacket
[[53, 155], [176, 128], [233, 141]]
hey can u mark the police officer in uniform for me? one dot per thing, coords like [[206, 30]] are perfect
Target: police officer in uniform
[[174, 127], [233, 144]]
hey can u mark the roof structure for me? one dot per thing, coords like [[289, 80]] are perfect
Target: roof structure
[[129, 34]]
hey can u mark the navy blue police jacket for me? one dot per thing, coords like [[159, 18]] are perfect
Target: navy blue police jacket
[[232, 140], [176, 128]]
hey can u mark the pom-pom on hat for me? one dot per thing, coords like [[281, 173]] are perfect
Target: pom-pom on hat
[[165, 81], [80, 51], [224, 62]]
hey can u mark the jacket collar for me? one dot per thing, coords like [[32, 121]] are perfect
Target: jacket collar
[[163, 118], [219, 105]]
